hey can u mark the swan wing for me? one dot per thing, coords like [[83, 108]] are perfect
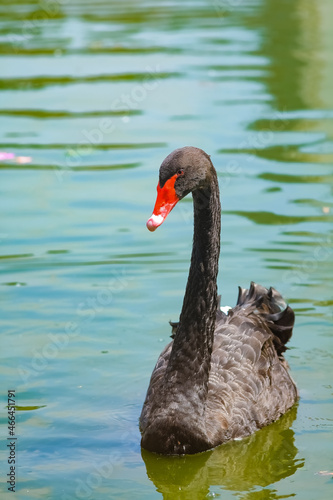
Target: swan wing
[[249, 383]]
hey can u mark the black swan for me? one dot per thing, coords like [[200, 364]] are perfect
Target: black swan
[[223, 376]]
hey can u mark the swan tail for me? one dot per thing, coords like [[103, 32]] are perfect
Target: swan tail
[[271, 308]]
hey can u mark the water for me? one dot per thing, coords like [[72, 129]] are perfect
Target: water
[[97, 94]]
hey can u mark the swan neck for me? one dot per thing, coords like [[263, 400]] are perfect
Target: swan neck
[[193, 342]]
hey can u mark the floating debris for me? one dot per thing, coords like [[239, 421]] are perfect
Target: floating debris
[[325, 473], [23, 159], [6, 156]]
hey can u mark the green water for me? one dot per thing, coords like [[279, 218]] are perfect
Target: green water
[[97, 94]]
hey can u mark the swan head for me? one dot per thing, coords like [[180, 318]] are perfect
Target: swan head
[[183, 171]]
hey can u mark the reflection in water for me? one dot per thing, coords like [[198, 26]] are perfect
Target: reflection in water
[[288, 67], [278, 219], [286, 154], [264, 458]]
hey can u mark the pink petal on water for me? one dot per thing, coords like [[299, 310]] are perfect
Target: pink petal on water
[[6, 156]]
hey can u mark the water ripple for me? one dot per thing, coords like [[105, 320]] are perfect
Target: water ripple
[[39, 82]]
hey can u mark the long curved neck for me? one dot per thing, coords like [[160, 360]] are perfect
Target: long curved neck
[[189, 362]]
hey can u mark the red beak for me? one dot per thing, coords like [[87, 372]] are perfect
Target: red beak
[[165, 201]]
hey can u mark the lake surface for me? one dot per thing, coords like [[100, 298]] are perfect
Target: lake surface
[[93, 96]]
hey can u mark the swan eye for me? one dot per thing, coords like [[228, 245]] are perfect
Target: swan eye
[[180, 172]]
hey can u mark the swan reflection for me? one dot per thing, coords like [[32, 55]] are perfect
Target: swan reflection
[[259, 460]]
